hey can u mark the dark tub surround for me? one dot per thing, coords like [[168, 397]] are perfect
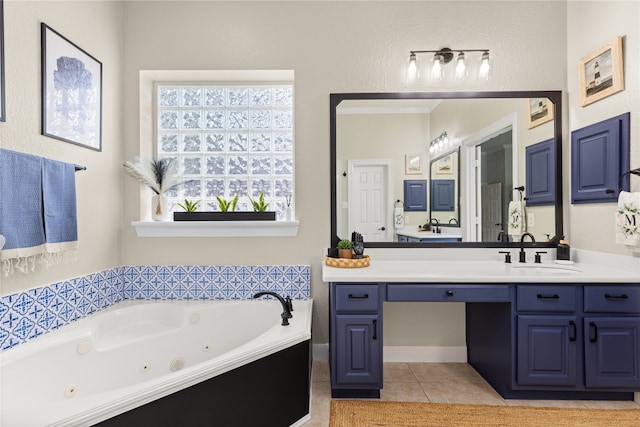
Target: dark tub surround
[[271, 392]]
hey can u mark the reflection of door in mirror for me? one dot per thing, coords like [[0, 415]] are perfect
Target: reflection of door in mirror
[[369, 200], [495, 168]]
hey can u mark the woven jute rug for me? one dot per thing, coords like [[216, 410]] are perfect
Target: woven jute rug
[[365, 413]]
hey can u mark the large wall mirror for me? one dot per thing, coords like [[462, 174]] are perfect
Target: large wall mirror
[[447, 169]]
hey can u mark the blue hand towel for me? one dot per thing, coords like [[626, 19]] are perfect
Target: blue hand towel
[[37, 210], [21, 219], [59, 205]]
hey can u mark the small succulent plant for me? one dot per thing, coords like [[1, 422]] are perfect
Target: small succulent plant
[[259, 205], [345, 244], [227, 205], [189, 206]]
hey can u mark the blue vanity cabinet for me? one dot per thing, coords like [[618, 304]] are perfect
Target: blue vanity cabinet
[[612, 337], [356, 339], [547, 350], [547, 330]]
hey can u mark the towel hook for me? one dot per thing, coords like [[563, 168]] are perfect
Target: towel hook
[[520, 190], [629, 172], [395, 205]]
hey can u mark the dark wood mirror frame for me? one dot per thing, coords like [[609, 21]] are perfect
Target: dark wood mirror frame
[[554, 96]]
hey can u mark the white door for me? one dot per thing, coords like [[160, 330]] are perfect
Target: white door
[[369, 200], [491, 203]]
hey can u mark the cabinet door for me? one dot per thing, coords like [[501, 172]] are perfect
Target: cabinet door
[[612, 355], [547, 350], [357, 351], [443, 195], [415, 195], [541, 174], [599, 155]]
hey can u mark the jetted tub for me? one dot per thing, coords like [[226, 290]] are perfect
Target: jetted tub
[[130, 356]]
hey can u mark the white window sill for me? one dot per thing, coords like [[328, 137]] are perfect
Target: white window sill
[[216, 228]]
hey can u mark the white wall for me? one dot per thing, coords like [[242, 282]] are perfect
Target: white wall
[[333, 47], [95, 27], [589, 26]]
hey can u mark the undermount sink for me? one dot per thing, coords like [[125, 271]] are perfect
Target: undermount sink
[[545, 268]]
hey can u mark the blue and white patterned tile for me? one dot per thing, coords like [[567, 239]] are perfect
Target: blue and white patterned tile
[[30, 314]]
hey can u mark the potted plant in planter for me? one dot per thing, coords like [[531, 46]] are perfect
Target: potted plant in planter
[[160, 176], [189, 206], [345, 249], [228, 212], [225, 205], [259, 205]]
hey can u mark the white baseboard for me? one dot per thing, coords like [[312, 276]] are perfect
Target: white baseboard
[[320, 352], [425, 354], [433, 354]]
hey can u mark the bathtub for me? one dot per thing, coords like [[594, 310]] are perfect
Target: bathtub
[[127, 357]]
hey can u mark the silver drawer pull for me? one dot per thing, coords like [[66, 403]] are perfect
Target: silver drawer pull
[[609, 296], [365, 296]]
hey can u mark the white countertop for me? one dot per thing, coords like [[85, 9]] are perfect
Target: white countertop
[[478, 271], [412, 232]]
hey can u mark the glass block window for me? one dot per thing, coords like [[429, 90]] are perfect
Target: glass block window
[[228, 140]]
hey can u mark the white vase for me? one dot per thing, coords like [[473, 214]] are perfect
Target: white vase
[[160, 208]]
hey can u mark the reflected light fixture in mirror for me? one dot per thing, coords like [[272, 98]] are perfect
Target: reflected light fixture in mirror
[[444, 56], [441, 143]]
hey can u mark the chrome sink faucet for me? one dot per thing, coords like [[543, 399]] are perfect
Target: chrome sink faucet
[[523, 254], [287, 305]]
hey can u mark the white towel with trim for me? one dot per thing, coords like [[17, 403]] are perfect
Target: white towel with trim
[[517, 223], [628, 220], [398, 217]]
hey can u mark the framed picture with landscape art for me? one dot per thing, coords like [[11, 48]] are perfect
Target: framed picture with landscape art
[[412, 164], [600, 73], [540, 110], [71, 92]]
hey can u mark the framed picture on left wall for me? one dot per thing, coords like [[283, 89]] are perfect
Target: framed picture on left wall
[[71, 92], [3, 114]]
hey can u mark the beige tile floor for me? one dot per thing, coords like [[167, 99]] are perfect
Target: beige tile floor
[[436, 383]]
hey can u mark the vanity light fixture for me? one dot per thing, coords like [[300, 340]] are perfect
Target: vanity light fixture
[[444, 56], [439, 144]]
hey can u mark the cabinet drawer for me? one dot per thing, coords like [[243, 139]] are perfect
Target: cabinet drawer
[[454, 293], [612, 299], [558, 298], [357, 298]]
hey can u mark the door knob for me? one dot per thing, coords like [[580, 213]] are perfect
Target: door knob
[[382, 228]]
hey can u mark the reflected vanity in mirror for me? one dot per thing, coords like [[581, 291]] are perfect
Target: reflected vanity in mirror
[[470, 176]]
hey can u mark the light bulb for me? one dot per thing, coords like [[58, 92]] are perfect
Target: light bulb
[[445, 138], [461, 66], [436, 70], [412, 69], [484, 66]]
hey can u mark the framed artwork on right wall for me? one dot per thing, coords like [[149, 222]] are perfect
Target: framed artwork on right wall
[[600, 73]]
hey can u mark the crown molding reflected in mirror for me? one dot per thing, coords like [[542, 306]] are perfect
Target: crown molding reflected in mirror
[[343, 158]]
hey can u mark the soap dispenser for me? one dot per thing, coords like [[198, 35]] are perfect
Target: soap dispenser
[[563, 252]]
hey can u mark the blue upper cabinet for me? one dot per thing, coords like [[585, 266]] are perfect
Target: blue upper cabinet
[[541, 175], [443, 195], [599, 156], [415, 195]]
